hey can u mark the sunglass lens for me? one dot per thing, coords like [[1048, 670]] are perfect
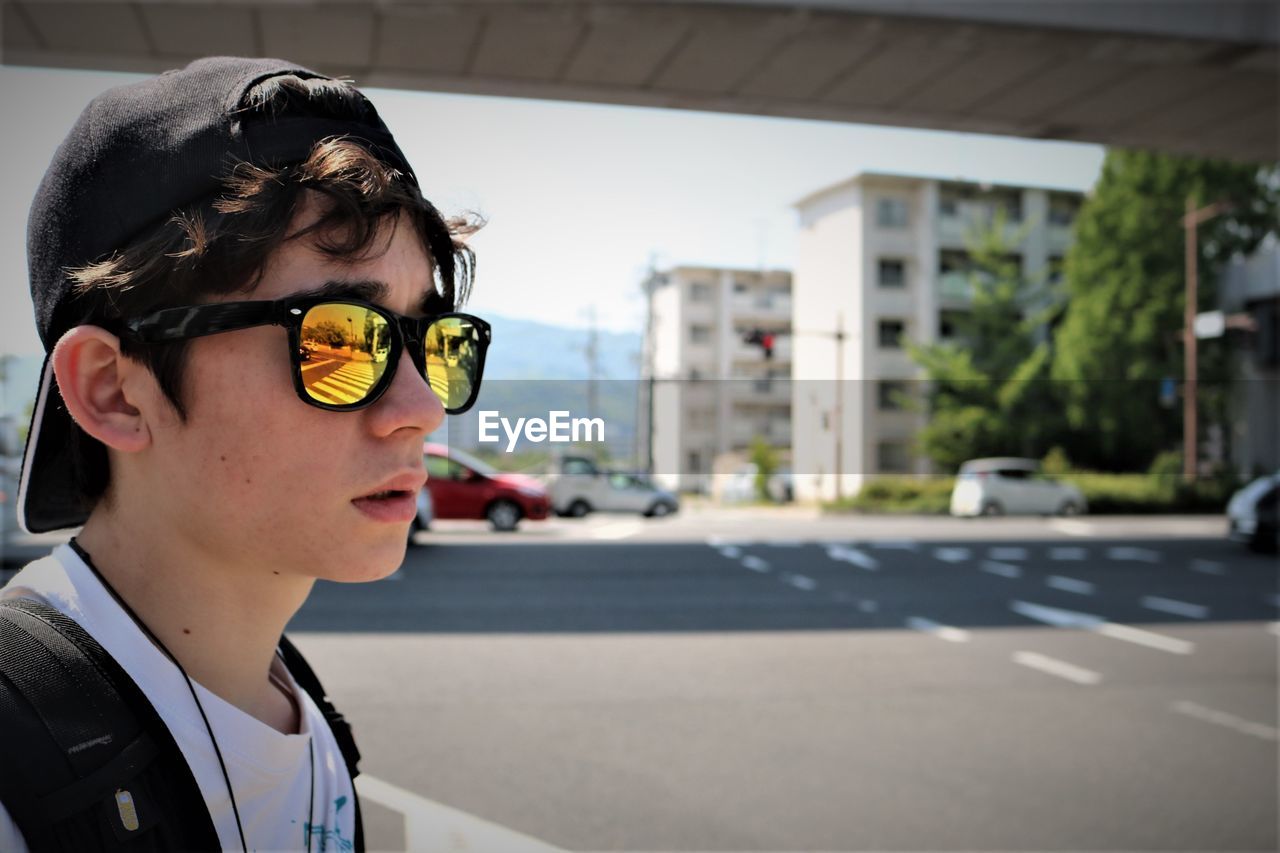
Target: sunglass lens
[[453, 360], [343, 349]]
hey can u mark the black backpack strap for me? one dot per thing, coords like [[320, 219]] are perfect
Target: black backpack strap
[[306, 678], [88, 763]]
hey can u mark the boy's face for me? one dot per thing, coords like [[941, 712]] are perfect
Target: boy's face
[[257, 478]]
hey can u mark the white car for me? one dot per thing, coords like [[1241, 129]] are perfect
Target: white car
[[1253, 514], [1012, 486], [578, 488]]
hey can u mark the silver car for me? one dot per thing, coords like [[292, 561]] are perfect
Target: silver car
[[1012, 486]]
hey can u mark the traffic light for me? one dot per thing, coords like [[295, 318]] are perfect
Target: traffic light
[[762, 339]]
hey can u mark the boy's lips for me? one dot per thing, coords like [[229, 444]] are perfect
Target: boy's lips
[[395, 500]]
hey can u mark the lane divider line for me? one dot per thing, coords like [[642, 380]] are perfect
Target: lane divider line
[[1208, 567], [1007, 553], [951, 555], [1061, 669], [846, 554], [1004, 570], [1067, 552], [1177, 608], [755, 564], [1138, 555], [1070, 585], [1222, 718], [803, 582], [895, 545]]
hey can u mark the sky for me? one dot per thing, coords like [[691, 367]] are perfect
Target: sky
[[579, 198]]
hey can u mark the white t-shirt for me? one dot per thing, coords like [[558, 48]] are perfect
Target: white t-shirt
[[271, 773]]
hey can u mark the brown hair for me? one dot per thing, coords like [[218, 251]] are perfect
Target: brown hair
[[221, 246]]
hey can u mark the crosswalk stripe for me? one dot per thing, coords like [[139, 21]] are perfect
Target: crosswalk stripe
[[1070, 585], [1004, 570]]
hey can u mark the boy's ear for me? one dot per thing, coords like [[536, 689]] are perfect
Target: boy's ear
[[94, 378]]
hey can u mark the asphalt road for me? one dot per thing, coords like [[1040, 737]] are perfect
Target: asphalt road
[[780, 681]]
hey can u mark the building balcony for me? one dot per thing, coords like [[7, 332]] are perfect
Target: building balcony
[[760, 305]]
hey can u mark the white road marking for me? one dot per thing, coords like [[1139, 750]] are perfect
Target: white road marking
[[1061, 618], [1222, 718], [1062, 669], [895, 545], [868, 605], [1140, 555], [1066, 553], [1150, 639], [730, 551], [942, 632], [1208, 567], [429, 825], [1177, 608], [716, 541], [1070, 585], [804, 582], [1007, 553], [951, 555], [861, 559], [784, 543], [1071, 527], [1004, 570], [617, 530], [754, 563]]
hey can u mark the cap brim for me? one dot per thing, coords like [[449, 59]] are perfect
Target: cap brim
[[49, 495]]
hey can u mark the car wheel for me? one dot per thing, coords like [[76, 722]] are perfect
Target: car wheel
[[659, 509], [503, 515], [1069, 509], [1265, 539], [578, 509], [992, 508]]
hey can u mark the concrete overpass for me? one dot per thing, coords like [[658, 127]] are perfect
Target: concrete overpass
[[1186, 76]]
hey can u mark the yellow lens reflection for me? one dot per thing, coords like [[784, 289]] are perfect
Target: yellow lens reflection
[[452, 357], [343, 349]]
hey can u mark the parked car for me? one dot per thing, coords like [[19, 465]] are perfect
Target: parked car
[[463, 486], [1012, 486], [426, 514], [1253, 514], [740, 486], [578, 487]]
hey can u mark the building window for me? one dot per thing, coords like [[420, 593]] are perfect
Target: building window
[[699, 292], [699, 334], [1063, 208], [739, 287], [695, 462], [949, 324], [891, 212], [893, 457], [893, 272], [891, 395], [890, 334]]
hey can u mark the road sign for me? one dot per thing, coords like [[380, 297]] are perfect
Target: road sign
[[1210, 324]]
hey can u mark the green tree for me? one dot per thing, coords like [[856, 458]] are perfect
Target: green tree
[[765, 458], [987, 388], [1120, 334]]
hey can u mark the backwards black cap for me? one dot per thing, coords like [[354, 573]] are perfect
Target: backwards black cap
[[137, 154]]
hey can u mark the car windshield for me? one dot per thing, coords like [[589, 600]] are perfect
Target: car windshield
[[477, 465]]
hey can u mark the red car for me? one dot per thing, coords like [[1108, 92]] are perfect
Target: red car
[[462, 486]]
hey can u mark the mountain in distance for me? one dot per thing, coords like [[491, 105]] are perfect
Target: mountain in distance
[[526, 349]]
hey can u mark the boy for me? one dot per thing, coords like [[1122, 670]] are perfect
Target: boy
[[245, 299]]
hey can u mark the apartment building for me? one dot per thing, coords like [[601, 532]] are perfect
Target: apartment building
[[882, 259], [713, 393]]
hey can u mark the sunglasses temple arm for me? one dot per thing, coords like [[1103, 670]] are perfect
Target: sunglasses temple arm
[[175, 324]]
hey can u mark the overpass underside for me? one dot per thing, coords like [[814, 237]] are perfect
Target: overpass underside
[[1177, 86]]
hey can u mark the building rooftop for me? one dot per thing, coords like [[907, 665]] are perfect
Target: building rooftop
[[862, 177]]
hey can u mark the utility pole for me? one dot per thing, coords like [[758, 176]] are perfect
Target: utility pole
[[1190, 222], [839, 405]]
